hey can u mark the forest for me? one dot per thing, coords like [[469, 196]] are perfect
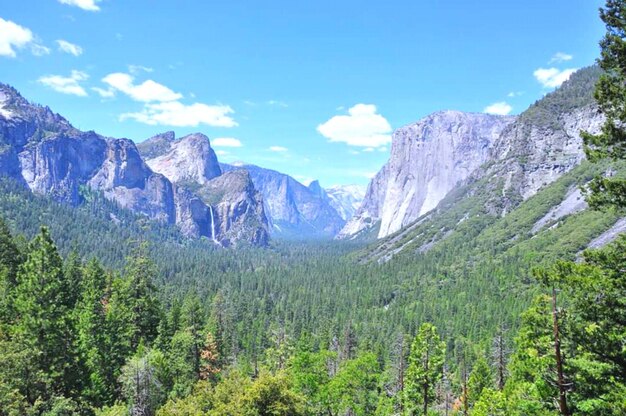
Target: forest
[[103, 312]]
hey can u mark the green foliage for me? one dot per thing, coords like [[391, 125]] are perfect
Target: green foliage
[[425, 369], [610, 93]]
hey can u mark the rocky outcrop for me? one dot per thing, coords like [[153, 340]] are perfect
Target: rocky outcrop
[[42, 150], [346, 199], [428, 159], [431, 157], [236, 208], [189, 159], [293, 210], [223, 207]]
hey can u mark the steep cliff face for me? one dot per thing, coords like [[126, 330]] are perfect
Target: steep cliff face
[[428, 159], [42, 150], [346, 199], [225, 208], [236, 209], [368, 214], [292, 208], [545, 142], [529, 184], [188, 159]]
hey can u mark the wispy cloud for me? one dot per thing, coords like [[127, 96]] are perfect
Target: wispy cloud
[[68, 47], [278, 149], [226, 142], [66, 85], [277, 103], [560, 57], [514, 94], [362, 127], [89, 5], [135, 69], [501, 108], [553, 77], [104, 93]]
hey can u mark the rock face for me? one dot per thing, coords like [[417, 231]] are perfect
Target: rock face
[[294, 210], [237, 209], [433, 156], [346, 199], [226, 208], [43, 151], [545, 142], [189, 159], [428, 159]]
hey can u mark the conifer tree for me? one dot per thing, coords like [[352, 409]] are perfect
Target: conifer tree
[[425, 369], [44, 326], [611, 97]]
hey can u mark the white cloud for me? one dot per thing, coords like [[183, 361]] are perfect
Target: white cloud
[[226, 142], [89, 5], [369, 149], [108, 93], [553, 77], [514, 94], [134, 69], [66, 85], [148, 91], [13, 36], [39, 50], [221, 152], [502, 109], [560, 57], [278, 149], [68, 47], [175, 113], [361, 127], [278, 103]]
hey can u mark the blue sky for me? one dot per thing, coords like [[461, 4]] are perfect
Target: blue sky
[[312, 89]]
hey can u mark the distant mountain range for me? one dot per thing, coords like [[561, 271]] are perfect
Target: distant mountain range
[[181, 181], [168, 179]]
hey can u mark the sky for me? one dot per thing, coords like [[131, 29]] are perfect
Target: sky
[[309, 88]]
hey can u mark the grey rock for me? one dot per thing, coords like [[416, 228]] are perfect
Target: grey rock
[[346, 199], [428, 159], [292, 208]]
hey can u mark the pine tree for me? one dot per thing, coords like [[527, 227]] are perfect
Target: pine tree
[[44, 325], [610, 95], [93, 335], [10, 258], [425, 369], [480, 378]]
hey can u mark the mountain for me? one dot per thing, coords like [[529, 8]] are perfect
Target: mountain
[[224, 207], [346, 199], [527, 193], [428, 159], [294, 210], [43, 151]]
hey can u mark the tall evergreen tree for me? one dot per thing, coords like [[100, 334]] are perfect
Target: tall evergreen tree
[[611, 97], [425, 369], [44, 325], [93, 335]]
